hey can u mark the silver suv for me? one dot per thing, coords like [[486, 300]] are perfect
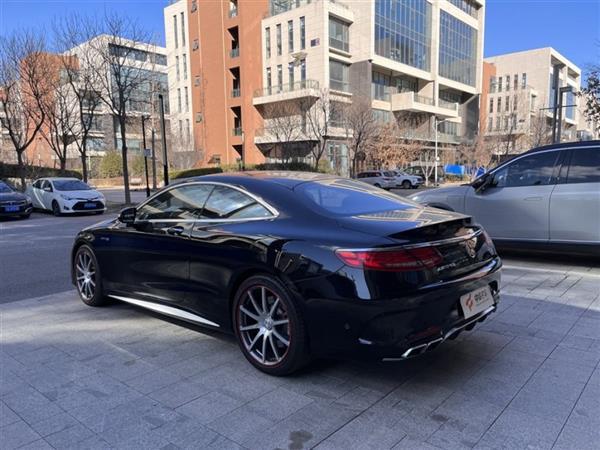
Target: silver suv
[[406, 181], [548, 195], [384, 179]]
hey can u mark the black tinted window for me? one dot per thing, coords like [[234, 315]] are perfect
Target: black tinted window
[[183, 203], [348, 198], [585, 166], [228, 203], [533, 170]]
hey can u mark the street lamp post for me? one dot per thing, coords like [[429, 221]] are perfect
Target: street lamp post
[[145, 154], [436, 122]]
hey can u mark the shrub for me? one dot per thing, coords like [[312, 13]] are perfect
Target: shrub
[[293, 166], [195, 172], [32, 172], [137, 167], [111, 165]]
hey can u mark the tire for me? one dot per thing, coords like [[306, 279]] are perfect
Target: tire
[[55, 208], [91, 295], [406, 184], [99, 212], [25, 216], [274, 348]]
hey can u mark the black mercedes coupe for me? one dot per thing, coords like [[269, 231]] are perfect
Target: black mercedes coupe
[[296, 265]]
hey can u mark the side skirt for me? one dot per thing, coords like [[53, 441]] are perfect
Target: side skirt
[[168, 311]]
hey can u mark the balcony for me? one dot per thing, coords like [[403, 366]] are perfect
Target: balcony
[[237, 131], [411, 101], [235, 52], [299, 89], [235, 93]]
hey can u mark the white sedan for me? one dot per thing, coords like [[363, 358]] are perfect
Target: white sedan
[[65, 196]]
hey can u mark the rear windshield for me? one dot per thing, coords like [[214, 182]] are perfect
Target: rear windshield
[[389, 174], [70, 185], [4, 188], [349, 198]]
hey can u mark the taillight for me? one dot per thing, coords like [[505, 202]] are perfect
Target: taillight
[[398, 260]]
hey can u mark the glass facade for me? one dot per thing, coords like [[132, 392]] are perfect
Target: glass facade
[[403, 31], [458, 50], [570, 110], [466, 5]]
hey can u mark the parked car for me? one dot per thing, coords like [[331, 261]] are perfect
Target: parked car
[[417, 171], [66, 196], [296, 265], [406, 181], [384, 179], [548, 197], [13, 203]]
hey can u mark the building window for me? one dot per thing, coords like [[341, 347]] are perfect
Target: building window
[[499, 84], [403, 31], [499, 105], [303, 70], [492, 85], [458, 50], [516, 82], [181, 130], [269, 81], [507, 105], [290, 36], [490, 124], [570, 109], [339, 34], [195, 45], [291, 75], [175, 31], [187, 99], [278, 36], [184, 58], [177, 66], [491, 105], [508, 82], [523, 80], [515, 101], [302, 33], [268, 42], [338, 75], [182, 30], [279, 78], [194, 5], [187, 131], [466, 5], [179, 99]]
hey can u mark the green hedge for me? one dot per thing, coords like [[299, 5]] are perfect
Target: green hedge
[[293, 166], [195, 172], [32, 172]]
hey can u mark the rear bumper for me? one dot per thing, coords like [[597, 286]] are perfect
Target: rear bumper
[[397, 328]]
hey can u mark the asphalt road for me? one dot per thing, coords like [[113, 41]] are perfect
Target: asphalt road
[[34, 253]]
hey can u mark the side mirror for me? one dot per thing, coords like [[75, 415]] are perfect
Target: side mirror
[[483, 182], [127, 216]]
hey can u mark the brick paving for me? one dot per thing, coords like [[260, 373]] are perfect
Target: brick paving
[[119, 377]]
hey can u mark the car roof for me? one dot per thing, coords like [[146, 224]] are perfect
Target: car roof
[[288, 179], [573, 145], [59, 178]]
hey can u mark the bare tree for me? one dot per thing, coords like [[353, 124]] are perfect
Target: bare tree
[[512, 120], [24, 71], [591, 94], [320, 115], [361, 131], [82, 75], [125, 63], [60, 128], [284, 128], [540, 131], [479, 152]]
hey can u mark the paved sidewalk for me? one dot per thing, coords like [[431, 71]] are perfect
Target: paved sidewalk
[[119, 377]]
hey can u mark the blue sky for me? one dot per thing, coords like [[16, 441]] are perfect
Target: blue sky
[[570, 26]]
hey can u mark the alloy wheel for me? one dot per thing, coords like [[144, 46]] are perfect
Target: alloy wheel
[[85, 272], [264, 325]]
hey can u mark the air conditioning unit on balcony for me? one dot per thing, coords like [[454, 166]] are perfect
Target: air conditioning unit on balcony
[[298, 58]]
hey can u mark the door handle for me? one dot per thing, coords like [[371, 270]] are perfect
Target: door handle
[[175, 231], [533, 199]]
